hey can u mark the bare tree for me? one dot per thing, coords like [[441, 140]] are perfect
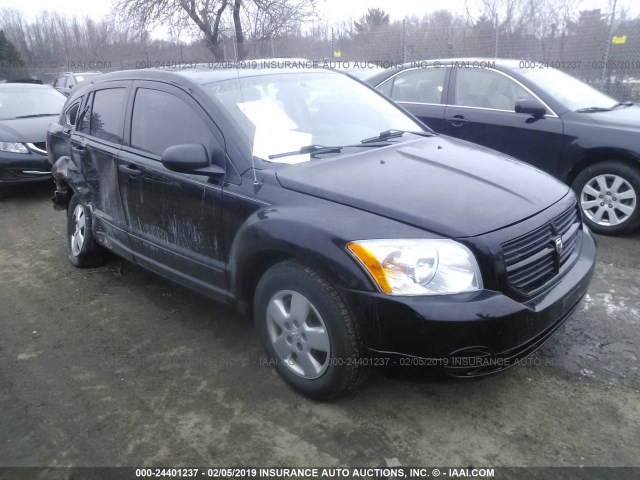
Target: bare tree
[[206, 15]]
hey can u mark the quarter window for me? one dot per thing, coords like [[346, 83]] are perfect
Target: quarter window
[[477, 87], [161, 120], [71, 114], [107, 115]]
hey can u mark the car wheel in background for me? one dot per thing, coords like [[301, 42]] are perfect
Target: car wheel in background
[[609, 194], [83, 250], [309, 333]]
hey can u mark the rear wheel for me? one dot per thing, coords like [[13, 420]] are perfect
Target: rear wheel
[[83, 250], [308, 332], [609, 193]]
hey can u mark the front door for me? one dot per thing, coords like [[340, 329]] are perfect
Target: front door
[[174, 219], [482, 111]]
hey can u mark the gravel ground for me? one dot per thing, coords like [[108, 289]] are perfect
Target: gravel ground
[[117, 367]]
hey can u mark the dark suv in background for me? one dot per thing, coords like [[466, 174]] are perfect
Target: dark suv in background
[[65, 82], [353, 235]]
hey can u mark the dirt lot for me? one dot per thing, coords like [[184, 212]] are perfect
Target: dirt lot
[[116, 367]]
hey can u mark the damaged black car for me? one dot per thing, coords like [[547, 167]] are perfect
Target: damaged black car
[[352, 234]]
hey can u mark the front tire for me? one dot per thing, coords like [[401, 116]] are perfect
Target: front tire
[[608, 193], [82, 248], [309, 333]]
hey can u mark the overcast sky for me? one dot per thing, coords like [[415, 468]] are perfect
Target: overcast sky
[[331, 11]]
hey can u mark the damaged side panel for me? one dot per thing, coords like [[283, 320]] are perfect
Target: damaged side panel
[[91, 172]]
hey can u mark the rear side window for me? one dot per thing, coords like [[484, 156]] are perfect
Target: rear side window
[[107, 115], [423, 85], [161, 120]]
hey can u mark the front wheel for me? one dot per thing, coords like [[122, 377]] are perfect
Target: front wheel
[[608, 193], [309, 333], [83, 250]]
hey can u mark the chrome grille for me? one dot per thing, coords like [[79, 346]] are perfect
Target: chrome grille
[[532, 260]]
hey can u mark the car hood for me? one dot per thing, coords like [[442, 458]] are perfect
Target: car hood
[[625, 117], [446, 186], [25, 130]]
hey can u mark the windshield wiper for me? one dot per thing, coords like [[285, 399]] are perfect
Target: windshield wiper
[[320, 149], [623, 104], [387, 134], [593, 109], [38, 115]]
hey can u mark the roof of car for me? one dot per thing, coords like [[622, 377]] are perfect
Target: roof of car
[[23, 86], [501, 62], [93, 72], [200, 75]]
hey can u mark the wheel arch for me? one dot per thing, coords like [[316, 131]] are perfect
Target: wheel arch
[[64, 188], [262, 244], [601, 154]]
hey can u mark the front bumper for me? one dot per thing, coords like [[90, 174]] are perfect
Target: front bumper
[[476, 333], [24, 168]]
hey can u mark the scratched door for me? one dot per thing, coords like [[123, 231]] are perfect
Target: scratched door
[[173, 219]]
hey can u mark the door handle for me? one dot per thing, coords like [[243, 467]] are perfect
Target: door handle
[[457, 120], [130, 170]]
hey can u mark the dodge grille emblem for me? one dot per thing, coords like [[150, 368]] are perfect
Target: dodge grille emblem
[[558, 243]]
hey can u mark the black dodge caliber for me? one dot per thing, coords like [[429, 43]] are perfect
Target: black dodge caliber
[[353, 236]]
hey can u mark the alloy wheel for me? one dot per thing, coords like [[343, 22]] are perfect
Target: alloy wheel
[[298, 334], [77, 237], [608, 200]]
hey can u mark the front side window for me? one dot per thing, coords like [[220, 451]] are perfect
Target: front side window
[[483, 88], [107, 115], [423, 85], [161, 120]]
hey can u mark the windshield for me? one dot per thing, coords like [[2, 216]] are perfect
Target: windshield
[[29, 102], [285, 112], [567, 90]]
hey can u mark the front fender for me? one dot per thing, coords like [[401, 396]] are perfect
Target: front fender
[[316, 234], [301, 233]]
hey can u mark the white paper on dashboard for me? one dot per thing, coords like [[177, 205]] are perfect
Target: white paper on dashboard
[[275, 132], [266, 112], [268, 142]]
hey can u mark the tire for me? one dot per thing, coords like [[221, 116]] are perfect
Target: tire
[[82, 248], [609, 195], [308, 332]]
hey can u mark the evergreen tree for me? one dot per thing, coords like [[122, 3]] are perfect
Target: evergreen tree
[[11, 65]]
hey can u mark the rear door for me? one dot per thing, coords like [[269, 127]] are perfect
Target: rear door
[[95, 144], [174, 219], [421, 91], [482, 110]]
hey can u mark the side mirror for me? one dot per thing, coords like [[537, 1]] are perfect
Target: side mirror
[[189, 158], [530, 106]]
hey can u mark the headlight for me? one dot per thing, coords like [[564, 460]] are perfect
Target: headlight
[[13, 147], [418, 266]]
